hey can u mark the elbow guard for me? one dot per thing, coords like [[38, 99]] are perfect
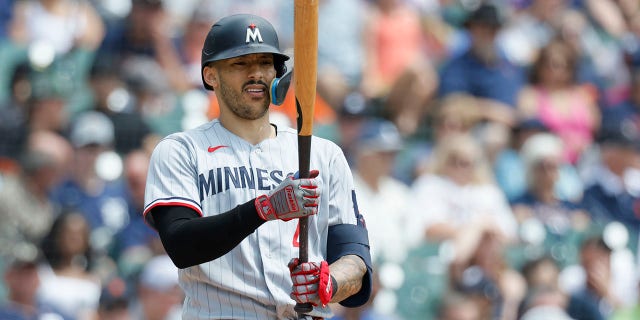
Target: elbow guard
[[345, 239]]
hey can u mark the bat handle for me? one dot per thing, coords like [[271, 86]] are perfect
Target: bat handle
[[303, 308]]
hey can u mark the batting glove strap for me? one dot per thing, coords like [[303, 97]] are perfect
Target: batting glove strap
[[265, 208], [293, 198], [312, 282]]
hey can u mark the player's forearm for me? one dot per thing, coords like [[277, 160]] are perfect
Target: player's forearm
[[190, 240], [348, 272]]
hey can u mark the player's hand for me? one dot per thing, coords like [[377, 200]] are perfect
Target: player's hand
[[293, 198], [312, 282]]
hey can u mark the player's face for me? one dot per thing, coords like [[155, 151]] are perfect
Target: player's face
[[243, 84]]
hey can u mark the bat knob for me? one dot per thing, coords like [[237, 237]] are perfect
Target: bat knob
[[303, 308]]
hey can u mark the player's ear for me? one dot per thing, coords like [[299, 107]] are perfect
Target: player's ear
[[210, 76]]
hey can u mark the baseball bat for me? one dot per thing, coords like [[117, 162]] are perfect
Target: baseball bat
[[305, 59]]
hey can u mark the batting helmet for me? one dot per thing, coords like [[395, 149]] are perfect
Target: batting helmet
[[238, 35]]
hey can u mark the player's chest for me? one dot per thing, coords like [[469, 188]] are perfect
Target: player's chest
[[226, 176], [266, 155]]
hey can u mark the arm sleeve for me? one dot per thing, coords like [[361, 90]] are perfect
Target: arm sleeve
[[191, 240], [349, 239]]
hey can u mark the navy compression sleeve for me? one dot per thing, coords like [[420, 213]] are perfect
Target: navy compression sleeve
[[191, 240], [346, 239]]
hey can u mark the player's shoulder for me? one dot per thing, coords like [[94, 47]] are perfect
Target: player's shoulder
[[191, 137]]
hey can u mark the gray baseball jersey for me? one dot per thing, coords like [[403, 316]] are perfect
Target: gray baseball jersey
[[211, 170]]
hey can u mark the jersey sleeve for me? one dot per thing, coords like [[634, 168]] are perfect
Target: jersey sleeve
[[171, 179], [343, 205]]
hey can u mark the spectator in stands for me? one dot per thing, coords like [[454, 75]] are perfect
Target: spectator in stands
[[353, 113], [114, 301], [26, 211], [13, 112], [382, 197], [152, 95], [461, 193], [190, 43], [531, 28], [393, 42], [482, 70], [113, 98], [100, 200], [541, 272], [597, 299], [627, 110], [158, 295], [455, 113], [47, 106], [343, 30], [61, 37], [508, 167], [459, 306], [480, 269], [397, 68], [21, 280], [610, 194], [147, 34], [577, 30], [69, 284], [545, 299], [545, 303], [62, 24], [569, 109], [604, 42], [542, 157]]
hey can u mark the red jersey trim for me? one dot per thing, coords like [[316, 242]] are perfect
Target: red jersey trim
[[149, 220]]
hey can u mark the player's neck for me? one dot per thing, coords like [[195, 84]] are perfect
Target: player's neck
[[252, 131]]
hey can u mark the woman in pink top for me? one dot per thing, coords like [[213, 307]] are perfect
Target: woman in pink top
[[567, 108]]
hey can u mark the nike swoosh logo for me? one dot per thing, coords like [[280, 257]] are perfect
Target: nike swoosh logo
[[212, 149]]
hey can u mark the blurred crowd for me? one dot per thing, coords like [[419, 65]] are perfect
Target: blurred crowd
[[495, 148]]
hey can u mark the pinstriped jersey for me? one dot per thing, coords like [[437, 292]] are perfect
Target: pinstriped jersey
[[211, 170]]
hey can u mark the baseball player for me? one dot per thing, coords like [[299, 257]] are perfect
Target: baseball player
[[225, 199]]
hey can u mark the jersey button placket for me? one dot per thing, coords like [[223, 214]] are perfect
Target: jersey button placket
[[256, 162]]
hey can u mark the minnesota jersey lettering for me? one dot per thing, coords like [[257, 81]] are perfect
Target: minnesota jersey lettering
[[222, 179]]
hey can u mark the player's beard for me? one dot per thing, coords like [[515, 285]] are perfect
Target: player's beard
[[234, 101]]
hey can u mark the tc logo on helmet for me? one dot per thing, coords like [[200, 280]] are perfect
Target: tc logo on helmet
[[253, 34]]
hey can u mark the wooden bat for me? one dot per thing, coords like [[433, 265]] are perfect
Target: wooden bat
[[305, 59]]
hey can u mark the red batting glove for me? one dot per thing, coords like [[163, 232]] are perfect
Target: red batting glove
[[293, 198], [312, 282]]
